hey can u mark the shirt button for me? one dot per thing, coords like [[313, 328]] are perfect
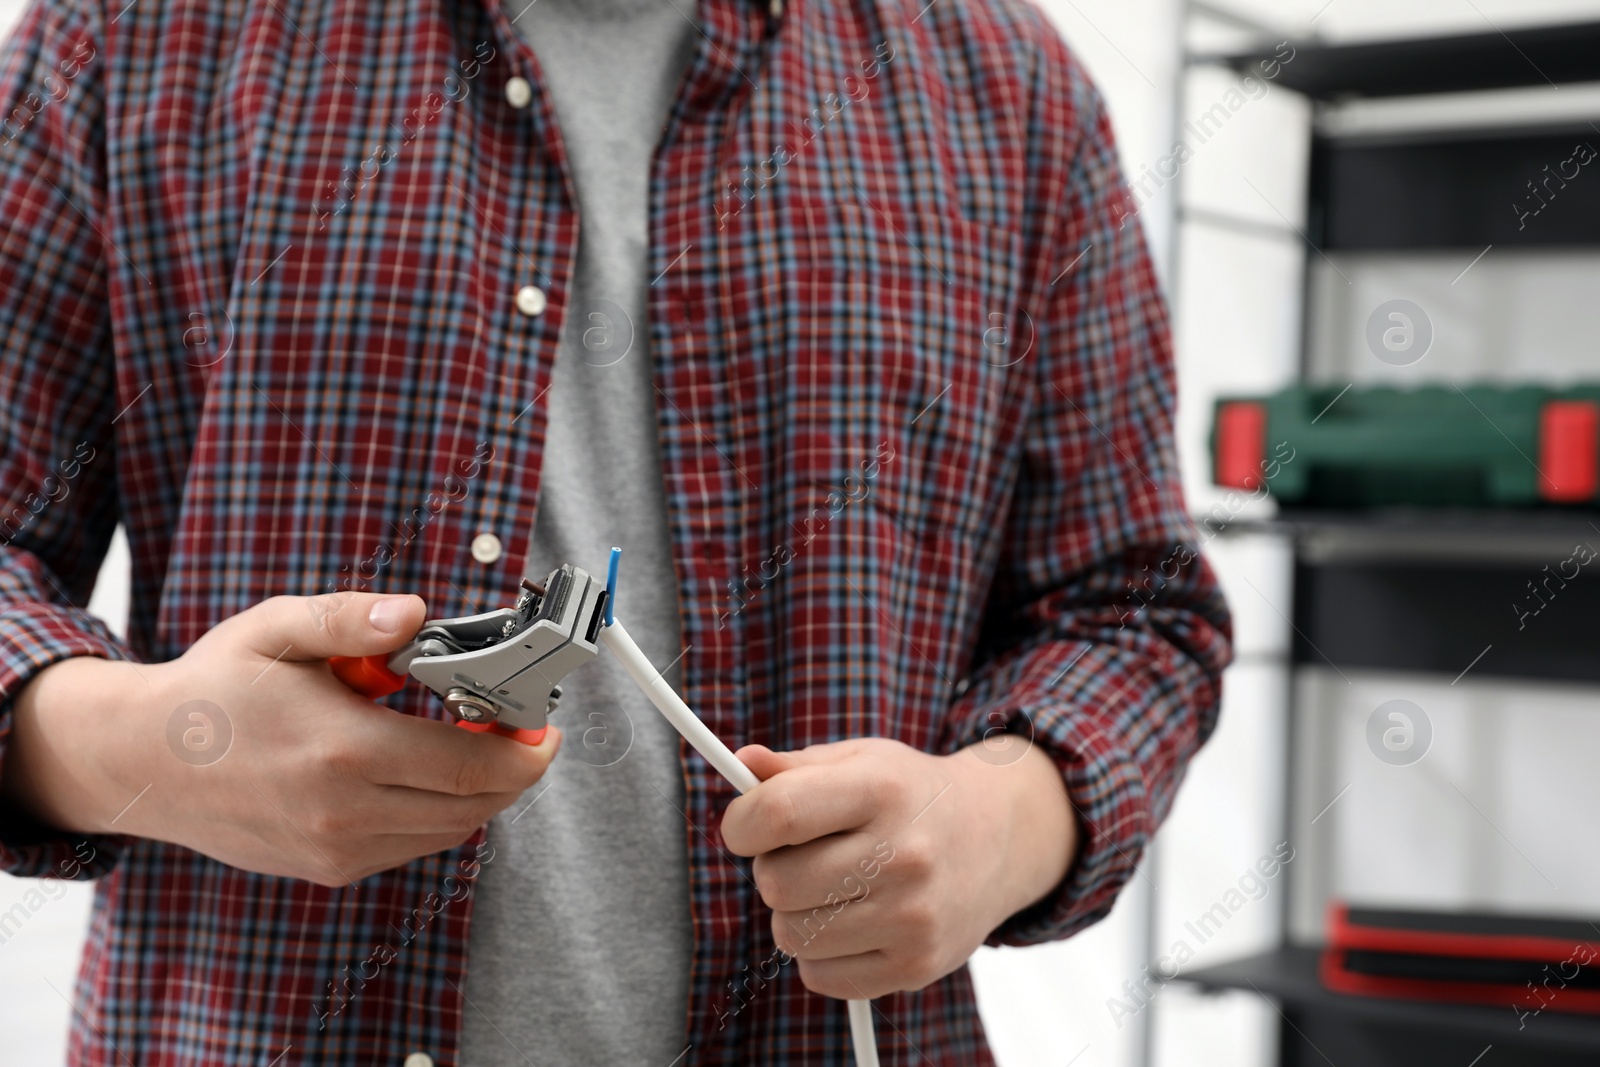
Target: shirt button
[[486, 548], [531, 300], [519, 94], [418, 1059]]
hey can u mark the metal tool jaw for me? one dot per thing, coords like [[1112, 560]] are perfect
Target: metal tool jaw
[[505, 667]]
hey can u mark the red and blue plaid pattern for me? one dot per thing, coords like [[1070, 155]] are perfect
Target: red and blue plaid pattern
[[258, 264]]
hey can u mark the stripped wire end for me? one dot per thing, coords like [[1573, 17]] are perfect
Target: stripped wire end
[[611, 586]]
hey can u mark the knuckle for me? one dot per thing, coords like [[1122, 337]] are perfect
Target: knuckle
[[245, 628], [735, 828], [819, 980], [883, 791], [783, 813], [277, 612], [324, 606], [783, 938], [915, 860], [471, 777], [345, 761], [923, 972], [920, 919], [769, 884], [274, 604], [326, 824], [526, 768], [916, 968]]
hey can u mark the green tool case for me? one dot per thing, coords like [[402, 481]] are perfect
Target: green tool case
[[1482, 446]]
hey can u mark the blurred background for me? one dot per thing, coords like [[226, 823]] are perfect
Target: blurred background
[[1492, 809]]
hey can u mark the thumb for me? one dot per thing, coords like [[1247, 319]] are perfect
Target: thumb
[[334, 624], [762, 761]]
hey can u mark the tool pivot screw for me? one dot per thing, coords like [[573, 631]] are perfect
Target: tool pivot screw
[[467, 706]]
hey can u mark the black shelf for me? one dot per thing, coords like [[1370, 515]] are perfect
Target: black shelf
[[1522, 56], [1490, 534], [1462, 190], [1440, 591], [1379, 1031], [1447, 189]]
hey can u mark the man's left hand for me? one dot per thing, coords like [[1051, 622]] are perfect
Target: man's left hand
[[887, 867]]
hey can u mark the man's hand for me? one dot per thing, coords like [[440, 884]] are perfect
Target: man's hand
[[887, 867], [316, 782]]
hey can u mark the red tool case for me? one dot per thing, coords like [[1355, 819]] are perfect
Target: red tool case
[[1524, 963]]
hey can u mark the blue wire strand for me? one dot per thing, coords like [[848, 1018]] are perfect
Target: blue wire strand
[[611, 586]]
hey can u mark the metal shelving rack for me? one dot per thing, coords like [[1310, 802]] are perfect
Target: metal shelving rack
[[1422, 591]]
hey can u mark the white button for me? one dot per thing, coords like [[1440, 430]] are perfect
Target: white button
[[486, 548], [419, 1059], [519, 94], [530, 300]]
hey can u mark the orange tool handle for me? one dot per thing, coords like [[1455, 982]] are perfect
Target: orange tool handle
[[368, 675], [371, 677], [526, 737]]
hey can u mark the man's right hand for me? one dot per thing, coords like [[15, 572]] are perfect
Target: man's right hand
[[316, 783]]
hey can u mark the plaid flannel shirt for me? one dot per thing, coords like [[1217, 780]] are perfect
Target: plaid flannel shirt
[[260, 266]]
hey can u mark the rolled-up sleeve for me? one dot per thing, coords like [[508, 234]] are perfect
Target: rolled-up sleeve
[[58, 502]]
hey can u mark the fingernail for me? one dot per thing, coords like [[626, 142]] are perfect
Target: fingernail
[[388, 614]]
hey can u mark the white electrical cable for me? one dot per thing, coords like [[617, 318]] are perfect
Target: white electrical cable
[[679, 714], [861, 1035], [720, 756]]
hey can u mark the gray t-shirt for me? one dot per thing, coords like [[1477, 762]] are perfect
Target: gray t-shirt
[[582, 937]]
